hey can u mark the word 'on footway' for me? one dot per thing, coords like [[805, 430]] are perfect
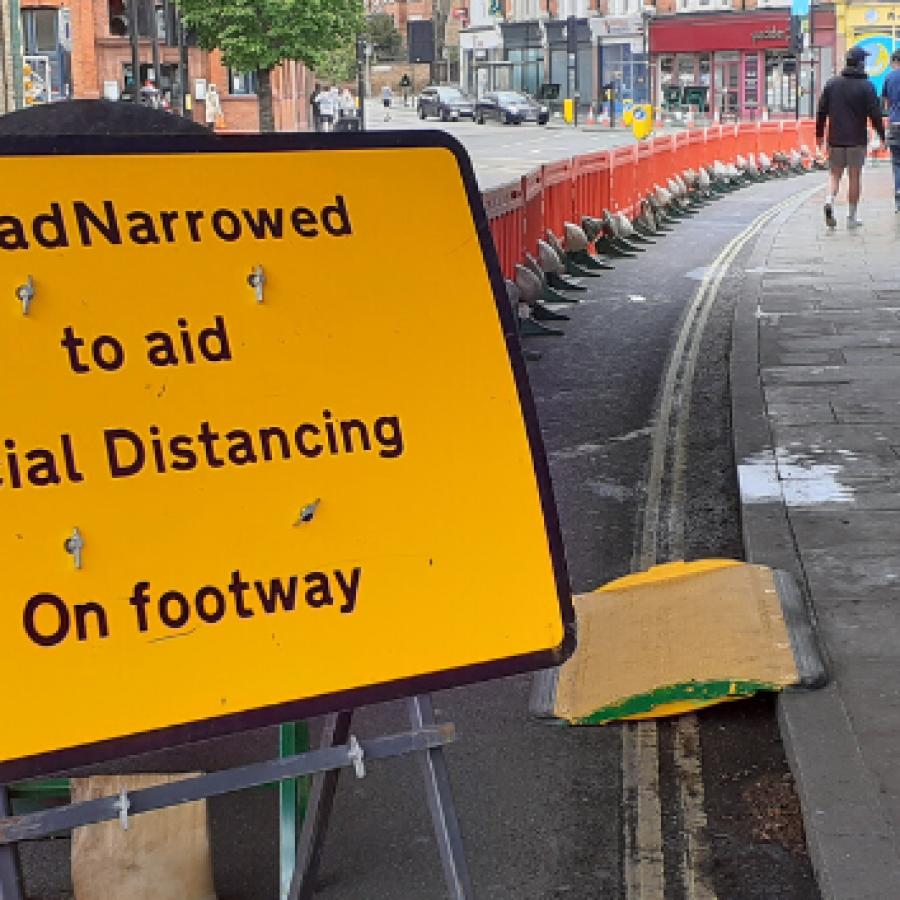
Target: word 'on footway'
[[252, 468]]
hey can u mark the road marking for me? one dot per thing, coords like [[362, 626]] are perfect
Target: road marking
[[643, 863]]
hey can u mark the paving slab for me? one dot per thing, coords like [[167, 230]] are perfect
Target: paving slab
[[816, 402]]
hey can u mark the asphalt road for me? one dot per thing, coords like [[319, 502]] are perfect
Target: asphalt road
[[541, 806], [502, 153]]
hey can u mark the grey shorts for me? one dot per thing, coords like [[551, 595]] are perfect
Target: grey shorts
[[847, 157]]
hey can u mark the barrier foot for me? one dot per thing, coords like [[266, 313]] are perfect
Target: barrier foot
[[551, 296], [542, 313], [589, 261], [638, 238], [560, 282], [626, 245], [606, 246], [530, 328], [649, 232], [578, 271]]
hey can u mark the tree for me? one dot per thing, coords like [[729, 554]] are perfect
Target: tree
[[337, 65], [257, 35], [383, 34]]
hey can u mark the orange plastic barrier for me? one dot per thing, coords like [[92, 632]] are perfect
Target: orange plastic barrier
[[520, 213], [558, 195], [623, 179], [592, 183], [807, 134], [770, 137], [505, 208], [533, 196], [728, 143], [747, 138], [681, 151], [697, 148], [660, 168], [643, 173]]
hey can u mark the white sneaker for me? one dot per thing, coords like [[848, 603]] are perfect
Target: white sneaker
[[853, 223]]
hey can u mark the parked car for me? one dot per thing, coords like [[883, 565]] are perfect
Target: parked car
[[510, 108], [448, 103]]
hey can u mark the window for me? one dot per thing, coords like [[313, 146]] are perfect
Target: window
[[118, 18], [241, 83], [147, 15]]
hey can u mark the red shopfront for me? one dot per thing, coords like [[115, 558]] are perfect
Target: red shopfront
[[737, 65]]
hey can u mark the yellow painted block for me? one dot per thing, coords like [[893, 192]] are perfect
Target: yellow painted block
[[675, 638]]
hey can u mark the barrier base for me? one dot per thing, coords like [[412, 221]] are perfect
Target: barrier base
[[551, 296], [578, 271], [561, 283], [541, 313], [627, 245], [530, 328], [606, 246], [589, 261]]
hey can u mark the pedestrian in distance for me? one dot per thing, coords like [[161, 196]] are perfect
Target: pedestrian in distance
[[405, 85], [215, 118], [891, 95], [847, 104], [387, 95], [327, 110], [347, 104], [314, 106]]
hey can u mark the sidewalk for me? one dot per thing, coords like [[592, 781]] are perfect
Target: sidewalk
[[816, 402]]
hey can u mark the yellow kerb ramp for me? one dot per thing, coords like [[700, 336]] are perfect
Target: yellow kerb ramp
[[673, 639]]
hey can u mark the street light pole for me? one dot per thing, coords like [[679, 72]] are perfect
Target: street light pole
[[133, 13], [572, 64], [812, 59], [361, 60]]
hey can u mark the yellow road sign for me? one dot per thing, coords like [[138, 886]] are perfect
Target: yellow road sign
[[266, 445]]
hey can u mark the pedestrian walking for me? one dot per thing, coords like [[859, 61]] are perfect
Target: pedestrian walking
[[847, 104], [327, 110], [348, 104], [405, 85], [314, 106], [387, 95], [214, 115], [891, 95]]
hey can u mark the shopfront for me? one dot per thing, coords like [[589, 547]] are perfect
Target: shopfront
[[523, 49], [579, 71], [623, 58], [481, 64], [737, 66]]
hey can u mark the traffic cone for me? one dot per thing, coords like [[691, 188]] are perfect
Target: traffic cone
[[591, 120]]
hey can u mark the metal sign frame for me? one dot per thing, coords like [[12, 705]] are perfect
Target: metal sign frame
[[171, 144]]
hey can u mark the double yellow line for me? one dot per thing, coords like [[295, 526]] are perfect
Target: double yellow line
[[643, 864]]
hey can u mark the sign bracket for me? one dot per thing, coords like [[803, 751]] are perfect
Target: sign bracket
[[438, 794], [10, 876], [339, 749]]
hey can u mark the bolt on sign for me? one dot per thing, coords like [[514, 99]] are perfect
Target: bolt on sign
[[266, 446]]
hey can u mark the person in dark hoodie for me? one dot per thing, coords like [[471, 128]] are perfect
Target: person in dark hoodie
[[847, 104]]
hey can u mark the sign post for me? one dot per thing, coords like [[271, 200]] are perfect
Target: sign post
[[244, 477]]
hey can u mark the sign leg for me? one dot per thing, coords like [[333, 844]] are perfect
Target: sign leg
[[440, 804], [293, 738], [318, 812], [10, 881]]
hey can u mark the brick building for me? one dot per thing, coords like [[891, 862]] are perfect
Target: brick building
[[87, 50], [7, 79]]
